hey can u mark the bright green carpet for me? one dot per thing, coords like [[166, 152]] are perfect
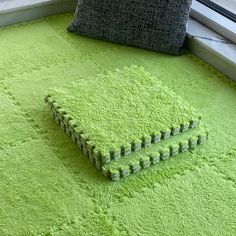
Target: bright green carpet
[[117, 108], [49, 188], [116, 113]]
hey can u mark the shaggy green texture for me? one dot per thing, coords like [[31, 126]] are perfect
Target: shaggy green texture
[[113, 114], [152, 155], [48, 187], [118, 108]]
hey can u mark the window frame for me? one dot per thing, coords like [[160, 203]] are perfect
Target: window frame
[[214, 20], [220, 9]]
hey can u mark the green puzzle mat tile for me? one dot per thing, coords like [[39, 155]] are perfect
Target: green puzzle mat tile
[[115, 113], [152, 155]]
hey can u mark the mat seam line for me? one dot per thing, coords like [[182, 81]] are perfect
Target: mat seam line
[[162, 182], [223, 176], [206, 163], [70, 225], [18, 142], [43, 136], [43, 67], [82, 51], [23, 113]]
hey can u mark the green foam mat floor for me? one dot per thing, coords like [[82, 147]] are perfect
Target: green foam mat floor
[[152, 155], [113, 112], [47, 185]]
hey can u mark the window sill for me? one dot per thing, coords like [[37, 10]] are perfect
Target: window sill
[[216, 47], [16, 11], [214, 20], [201, 40]]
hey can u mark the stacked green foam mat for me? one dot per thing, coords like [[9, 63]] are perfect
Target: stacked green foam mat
[[125, 121]]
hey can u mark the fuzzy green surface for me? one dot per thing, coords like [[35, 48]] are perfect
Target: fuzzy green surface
[[48, 187], [119, 107], [158, 147]]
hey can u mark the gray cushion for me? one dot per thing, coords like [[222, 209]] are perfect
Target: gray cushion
[[158, 25]]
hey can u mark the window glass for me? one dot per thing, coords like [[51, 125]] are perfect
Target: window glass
[[225, 7], [229, 5]]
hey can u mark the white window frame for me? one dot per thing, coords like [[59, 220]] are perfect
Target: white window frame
[[214, 20], [212, 37]]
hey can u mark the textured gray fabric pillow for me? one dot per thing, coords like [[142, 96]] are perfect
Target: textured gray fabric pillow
[[158, 25]]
